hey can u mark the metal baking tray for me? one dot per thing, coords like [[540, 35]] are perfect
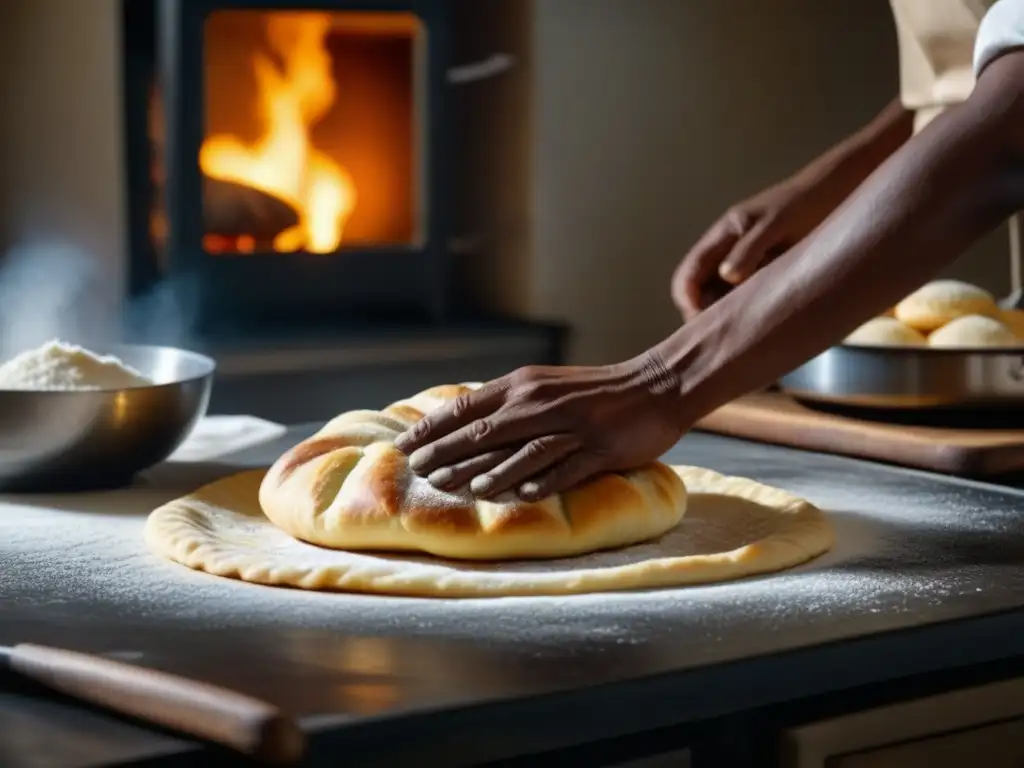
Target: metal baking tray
[[911, 378]]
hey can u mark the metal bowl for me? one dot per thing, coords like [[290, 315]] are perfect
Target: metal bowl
[[911, 378], [95, 439]]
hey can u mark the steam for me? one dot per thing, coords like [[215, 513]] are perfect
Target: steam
[[168, 314], [51, 290]]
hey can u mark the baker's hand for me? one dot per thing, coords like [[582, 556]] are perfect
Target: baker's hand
[[748, 236], [751, 234], [541, 430]]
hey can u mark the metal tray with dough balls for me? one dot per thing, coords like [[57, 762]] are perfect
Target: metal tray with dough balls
[[971, 357], [913, 377]]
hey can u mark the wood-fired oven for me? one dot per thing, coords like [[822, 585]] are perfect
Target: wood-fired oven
[[287, 160], [333, 198]]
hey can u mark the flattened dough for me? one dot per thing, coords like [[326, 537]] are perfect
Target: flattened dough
[[733, 528]]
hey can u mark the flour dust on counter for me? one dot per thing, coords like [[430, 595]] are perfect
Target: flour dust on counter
[[79, 560], [83, 559]]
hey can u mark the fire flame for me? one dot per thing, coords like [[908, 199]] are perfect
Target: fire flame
[[283, 162]]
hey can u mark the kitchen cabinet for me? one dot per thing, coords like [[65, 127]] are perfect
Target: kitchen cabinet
[[996, 746], [952, 729]]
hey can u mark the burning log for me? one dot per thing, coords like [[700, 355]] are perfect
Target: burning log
[[234, 210]]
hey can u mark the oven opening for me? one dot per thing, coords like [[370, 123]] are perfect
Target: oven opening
[[313, 126]]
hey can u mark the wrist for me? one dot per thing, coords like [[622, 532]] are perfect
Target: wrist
[[681, 372]]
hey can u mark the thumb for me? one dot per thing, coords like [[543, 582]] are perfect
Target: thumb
[[698, 269], [751, 251]]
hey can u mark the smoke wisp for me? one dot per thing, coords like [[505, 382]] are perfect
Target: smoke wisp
[[55, 290]]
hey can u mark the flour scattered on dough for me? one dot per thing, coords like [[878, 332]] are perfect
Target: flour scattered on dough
[[57, 365]]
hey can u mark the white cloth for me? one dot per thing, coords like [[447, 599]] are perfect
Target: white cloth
[[1001, 31], [216, 436]]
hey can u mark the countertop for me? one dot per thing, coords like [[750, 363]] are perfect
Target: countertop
[[921, 561]]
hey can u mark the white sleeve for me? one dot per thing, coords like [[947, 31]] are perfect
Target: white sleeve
[[1001, 31]]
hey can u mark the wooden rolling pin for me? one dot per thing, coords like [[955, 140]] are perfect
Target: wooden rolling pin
[[241, 723]]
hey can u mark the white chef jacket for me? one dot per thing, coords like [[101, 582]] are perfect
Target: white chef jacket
[[1001, 31], [944, 44]]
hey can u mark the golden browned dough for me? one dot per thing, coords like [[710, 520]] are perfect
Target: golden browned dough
[[348, 487]]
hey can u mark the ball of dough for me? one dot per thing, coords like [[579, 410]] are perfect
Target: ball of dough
[[933, 305], [348, 487], [1014, 320], [885, 332], [973, 331]]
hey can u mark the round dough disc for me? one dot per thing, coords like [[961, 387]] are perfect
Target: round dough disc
[[885, 332], [973, 331], [936, 303], [733, 528]]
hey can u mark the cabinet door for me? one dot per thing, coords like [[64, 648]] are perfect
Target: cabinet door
[[992, 746], [990, 715]]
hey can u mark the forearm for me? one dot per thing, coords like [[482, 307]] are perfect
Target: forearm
[[856, 157], [920, 210]]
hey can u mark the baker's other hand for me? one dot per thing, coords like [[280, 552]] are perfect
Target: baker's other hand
[[756, 231], [747, 237], [542, 430]]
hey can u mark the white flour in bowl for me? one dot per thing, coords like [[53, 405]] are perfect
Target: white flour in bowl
[[57, 365]]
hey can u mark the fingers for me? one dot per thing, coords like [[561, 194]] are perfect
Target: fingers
[[451, 416], [458, 475], [532, 459], [699, 267], [750, 252], [500, 429], [575, 469]]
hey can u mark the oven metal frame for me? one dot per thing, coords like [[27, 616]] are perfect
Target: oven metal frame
[[166, 43]]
